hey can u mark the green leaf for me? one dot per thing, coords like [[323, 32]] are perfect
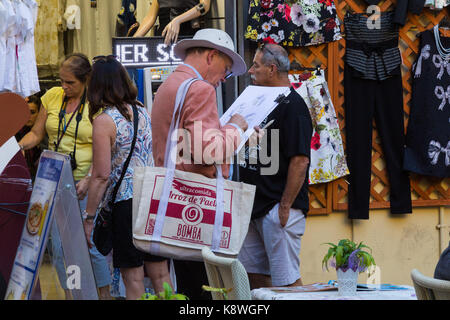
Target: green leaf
[[320, 127], [339, 256]]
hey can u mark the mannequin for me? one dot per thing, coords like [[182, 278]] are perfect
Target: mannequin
[[173, 18]]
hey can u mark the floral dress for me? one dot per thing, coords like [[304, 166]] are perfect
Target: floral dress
[[327, 161], [293, 23]]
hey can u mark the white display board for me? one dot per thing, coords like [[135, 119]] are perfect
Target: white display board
[[255, 103], [53, 197]]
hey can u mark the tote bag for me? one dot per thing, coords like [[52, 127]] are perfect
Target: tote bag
[[176, 213]]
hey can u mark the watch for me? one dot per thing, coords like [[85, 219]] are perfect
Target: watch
[[86, 216]]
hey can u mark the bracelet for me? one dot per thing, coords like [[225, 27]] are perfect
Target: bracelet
[[86, 216], [21, 146], [201, 8]]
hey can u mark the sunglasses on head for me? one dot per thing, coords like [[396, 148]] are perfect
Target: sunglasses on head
[[104, 58]]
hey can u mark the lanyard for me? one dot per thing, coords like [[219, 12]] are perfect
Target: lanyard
[[62, 113]]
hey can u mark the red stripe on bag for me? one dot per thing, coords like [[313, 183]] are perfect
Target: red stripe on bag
[[175, 210]]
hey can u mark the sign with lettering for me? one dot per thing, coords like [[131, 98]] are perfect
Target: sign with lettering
[[53, 204], [144, 52]]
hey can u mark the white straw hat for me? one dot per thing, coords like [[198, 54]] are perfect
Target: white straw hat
[[214, 39]]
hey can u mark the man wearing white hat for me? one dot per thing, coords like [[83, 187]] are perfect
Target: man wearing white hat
[[210, 56]]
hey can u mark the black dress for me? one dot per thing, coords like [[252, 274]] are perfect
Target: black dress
[[428, 135]]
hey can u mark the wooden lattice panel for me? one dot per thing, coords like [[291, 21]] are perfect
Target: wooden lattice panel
[[425, 191]]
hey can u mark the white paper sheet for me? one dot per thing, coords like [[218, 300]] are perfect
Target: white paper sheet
[[255, 103], [7, 151]]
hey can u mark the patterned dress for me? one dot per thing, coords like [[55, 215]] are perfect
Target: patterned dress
[[142, 154], [328, 161], [293, 23], [428, 136]]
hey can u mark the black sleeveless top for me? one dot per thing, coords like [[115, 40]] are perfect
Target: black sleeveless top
[[428, 135], [372, 51]]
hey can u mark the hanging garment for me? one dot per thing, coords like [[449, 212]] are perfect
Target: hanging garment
[[327, 161], [373, 53], [3, 28], [402, 8], [49, 43], [374, 91], [97, 28], [303, 23], [428, 134], [437, 4], [26, 58], [13, 23], [126, 17]]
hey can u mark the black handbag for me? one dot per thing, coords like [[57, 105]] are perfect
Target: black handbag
[[103, 228]]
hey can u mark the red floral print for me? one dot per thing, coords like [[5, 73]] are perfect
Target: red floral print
[[269, 40], [296, 85], [266, 4], [330, 25], [287, 13], [315, 141], [326, 2]]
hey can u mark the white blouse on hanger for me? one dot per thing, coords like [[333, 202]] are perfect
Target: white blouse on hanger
[[18, 73], [28, 79], [9, 73], [3, 27]]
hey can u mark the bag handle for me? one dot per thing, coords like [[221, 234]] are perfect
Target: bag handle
[[127, 161], [169, 163]]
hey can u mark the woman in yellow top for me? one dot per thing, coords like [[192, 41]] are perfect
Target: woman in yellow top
[[61, 105], [64, 117]]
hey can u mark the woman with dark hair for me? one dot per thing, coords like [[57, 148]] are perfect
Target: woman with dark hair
[[32, 155], [112, 92], [64, 117]]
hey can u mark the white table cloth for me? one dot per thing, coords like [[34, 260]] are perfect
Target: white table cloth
[[267, 294]]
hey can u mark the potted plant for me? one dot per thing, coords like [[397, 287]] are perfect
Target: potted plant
[[349, 259]]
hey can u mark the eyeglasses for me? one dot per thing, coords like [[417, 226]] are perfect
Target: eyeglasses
[[229, 71], [228, 74], [104, 58]]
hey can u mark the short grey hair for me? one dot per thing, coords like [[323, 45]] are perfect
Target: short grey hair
[[275, 54]]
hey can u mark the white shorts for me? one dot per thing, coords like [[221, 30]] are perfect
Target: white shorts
[[272, 250]]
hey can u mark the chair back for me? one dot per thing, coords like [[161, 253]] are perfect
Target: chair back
[[226, 273], [429, 288]]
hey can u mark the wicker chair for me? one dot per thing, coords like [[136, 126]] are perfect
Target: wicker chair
[[429, 288], [226, 273]]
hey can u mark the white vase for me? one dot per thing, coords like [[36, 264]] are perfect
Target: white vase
[[347, 282]]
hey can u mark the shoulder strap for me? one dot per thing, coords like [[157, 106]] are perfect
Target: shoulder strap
[[125, 165]]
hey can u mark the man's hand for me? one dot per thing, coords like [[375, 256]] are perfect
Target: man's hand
[[283, 214], [240, 121]]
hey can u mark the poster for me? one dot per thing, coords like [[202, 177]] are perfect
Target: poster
[[35, 231]]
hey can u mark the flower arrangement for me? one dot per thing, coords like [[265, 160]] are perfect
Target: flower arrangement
[[348, 255]]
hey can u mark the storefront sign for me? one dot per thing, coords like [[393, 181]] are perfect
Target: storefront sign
[[144, 52]]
